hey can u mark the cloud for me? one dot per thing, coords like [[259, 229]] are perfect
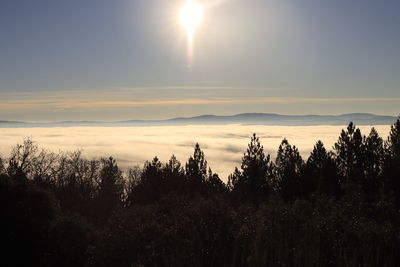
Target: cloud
[[175, 101], [93, 101]]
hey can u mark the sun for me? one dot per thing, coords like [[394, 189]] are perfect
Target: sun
[[190, 16]]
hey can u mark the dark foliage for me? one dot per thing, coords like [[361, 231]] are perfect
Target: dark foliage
[[337, 208]]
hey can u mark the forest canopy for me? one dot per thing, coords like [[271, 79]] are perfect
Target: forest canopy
[[338, 207]]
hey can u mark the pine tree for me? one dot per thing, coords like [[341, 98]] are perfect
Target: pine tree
[[214, 184], [173, 166], [393, 143], [152, 172], [391, 171], [196, 167], [196, 173], [373, 160], [320, 173], [349, 154], [174, 176], [289, 165], [252, 182], [110, 187]]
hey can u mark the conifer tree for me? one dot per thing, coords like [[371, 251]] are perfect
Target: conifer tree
[[196, 167], [391, 170], [320, 173], [173, 166], [373, 160], [110, 188], [288, 166], [393, 143], [252, 182], [349, 153], [174, 176], [196, 173]]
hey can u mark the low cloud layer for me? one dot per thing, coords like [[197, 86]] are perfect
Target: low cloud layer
[[223, 145], [168, 102]]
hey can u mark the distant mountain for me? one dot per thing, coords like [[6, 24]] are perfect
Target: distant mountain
[[244, 119]]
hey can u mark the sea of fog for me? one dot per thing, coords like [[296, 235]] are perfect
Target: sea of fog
[[223, 145]]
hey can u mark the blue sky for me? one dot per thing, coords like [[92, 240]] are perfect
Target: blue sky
[[126, 59]]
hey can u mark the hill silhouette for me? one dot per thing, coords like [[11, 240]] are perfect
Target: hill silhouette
[[244, 118]]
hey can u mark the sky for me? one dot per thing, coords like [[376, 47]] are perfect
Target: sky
[[127, 59]]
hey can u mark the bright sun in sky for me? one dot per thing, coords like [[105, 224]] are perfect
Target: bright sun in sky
[[190, 17]]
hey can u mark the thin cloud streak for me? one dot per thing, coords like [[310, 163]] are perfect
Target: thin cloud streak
[[33, 104]]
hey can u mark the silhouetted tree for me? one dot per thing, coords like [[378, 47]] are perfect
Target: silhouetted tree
[[2, 168], [132, 180], [288, 167], [320, 173], [392, 161], [349, 154], [214, 184], [196, 167], [372, 163], [174, 176], [252, 182], [110, 190], [44, 168], [20, 161], [152, 181], [76, 183], [196, 172]]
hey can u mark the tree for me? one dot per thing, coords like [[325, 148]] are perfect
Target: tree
[[20, 162], [110, 188], [133, 179], [214, 184], [152, 172], [2, 168], [252, 182], [43, 168], [349, 154], [174, 176], [76, 182], [393, 143], [196, 167], [373, 161], [151, 185], [391, 171], [288, 166], [196, 172], [320, 172]]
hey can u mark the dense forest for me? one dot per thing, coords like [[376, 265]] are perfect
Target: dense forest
[[339, 207]]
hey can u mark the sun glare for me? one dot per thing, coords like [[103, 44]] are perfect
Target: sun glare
[[190, 17]]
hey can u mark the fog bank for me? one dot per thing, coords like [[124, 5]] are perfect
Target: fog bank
[[223, 145]]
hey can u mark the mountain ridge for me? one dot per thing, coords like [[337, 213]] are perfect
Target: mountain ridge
[[241, 118]]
